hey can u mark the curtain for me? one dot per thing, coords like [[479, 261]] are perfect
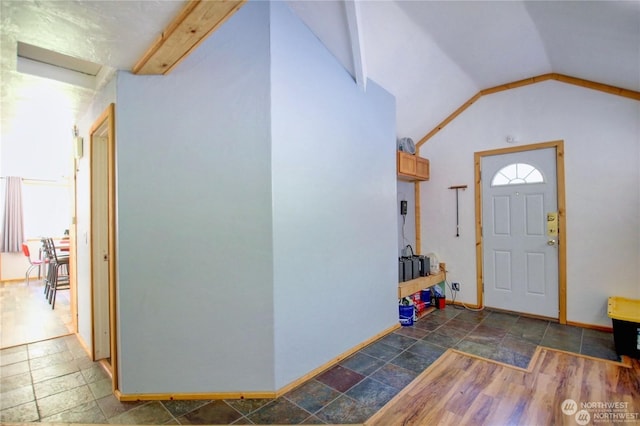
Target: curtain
[[12, 224]]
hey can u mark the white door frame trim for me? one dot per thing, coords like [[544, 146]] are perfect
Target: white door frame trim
[[562, 218]]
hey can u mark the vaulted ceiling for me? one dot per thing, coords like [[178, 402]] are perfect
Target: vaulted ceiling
[[432, 55], [435, 55]]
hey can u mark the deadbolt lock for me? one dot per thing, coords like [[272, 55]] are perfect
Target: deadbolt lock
[[552, 224]]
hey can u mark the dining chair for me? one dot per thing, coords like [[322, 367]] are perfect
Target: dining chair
[[45, 251], [38, 263], [58, 276]]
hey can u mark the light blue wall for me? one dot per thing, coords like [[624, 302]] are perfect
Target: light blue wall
[[256, 212], [334, 203], [195, 295]]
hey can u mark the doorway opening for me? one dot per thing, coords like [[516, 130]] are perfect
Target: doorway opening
[[102, 247], [521, 229]]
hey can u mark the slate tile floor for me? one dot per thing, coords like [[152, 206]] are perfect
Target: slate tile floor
[[54, 381]]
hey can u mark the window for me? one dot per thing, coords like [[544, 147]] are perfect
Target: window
[[517, 174], [46, 207]]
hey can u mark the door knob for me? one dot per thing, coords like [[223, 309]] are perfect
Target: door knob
[[551, 242]]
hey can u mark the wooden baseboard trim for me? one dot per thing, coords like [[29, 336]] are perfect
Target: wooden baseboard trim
[[591, 326], [523, 314], [107, 368], [572, 323], [334, 361], [466, 305], [258, 394], [184, 396]]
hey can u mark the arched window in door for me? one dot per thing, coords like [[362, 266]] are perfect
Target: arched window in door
[[517, 174]]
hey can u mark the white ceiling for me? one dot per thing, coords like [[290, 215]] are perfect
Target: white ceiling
[[432, 55], [435, 55]]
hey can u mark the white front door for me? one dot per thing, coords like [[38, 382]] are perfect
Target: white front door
[[520, 248]]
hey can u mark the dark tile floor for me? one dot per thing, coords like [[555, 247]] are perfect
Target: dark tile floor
[[54, 381]]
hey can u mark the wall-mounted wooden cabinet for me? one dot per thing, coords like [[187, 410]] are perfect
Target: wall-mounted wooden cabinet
[[411, 167]]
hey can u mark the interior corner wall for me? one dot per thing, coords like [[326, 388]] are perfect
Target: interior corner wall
[[602, 143], [194, 236], [334, 197], [104, 98]]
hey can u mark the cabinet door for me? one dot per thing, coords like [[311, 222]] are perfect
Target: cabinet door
[[422, 168], [406, 164]]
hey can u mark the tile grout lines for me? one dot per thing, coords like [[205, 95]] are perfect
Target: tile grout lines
[[410, 351]]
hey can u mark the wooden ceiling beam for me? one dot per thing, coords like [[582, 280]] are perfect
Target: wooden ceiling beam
[[613, 90], [195, 22]]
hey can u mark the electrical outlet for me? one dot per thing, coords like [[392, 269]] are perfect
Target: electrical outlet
[[455, 286]]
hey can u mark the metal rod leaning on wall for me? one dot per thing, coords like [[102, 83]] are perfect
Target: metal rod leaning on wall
[[458, 187]]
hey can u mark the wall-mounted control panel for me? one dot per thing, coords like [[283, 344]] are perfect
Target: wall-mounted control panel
[[403, 208]]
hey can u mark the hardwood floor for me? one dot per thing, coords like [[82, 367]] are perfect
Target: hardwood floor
[[460, 389], [27, 317]]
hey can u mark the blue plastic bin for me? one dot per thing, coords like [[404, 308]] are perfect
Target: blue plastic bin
[[406, 315]]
